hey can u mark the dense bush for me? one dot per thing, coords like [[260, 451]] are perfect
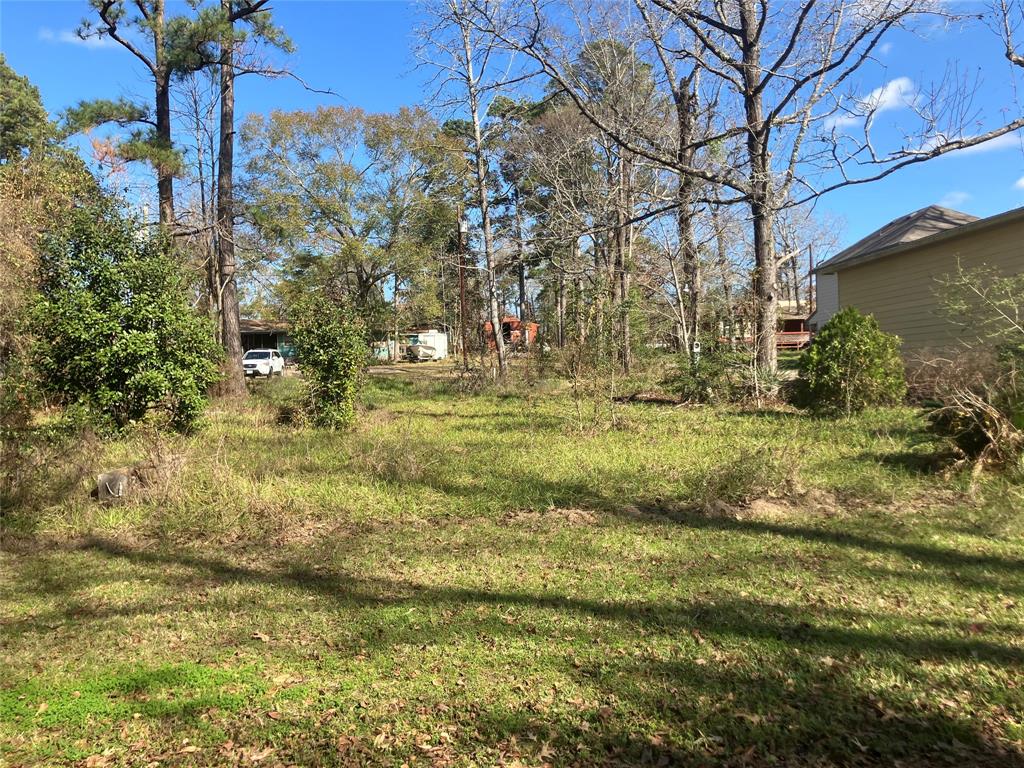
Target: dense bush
[[35, 192], [722, 375], [115, 332], [850, 365], [330, 346], [716, 377]]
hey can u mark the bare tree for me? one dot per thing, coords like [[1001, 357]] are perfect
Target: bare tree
[[196, 105], [1006, 17], [784, 70], [469, 77], [255, 15]]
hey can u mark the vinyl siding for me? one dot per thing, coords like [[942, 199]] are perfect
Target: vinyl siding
[[900, 290], [826, 300]]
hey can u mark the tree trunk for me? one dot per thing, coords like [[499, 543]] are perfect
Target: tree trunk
[[686, 107], [601, 272], [234, 381], [794, 267], [164, 176], [619, 278], [766, 312], [394, 353], [726, 272], [681, 327], [521, 259], [765, 277], [523, 311], [485, 208], [691, 269], [625, 247], [162, 81], [560, 310]]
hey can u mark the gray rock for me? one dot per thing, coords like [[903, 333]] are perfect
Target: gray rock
[[115, 485]]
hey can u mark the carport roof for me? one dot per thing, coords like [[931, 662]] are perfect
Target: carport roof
[[261, 326]]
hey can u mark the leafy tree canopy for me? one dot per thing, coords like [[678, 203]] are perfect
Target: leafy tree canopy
[[24, 124]]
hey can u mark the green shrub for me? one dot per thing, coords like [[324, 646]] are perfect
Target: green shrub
[[723, 375], [115, 331], [717, 376], [850, 365], [330, 346]]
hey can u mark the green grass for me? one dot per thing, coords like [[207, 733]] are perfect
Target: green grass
[[789, 359], [472, 580]]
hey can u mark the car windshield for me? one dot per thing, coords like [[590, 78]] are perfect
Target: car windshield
[[257, 355]]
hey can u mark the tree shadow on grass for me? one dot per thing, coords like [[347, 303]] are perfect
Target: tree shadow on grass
[[644, 512], [803, 706], [740, 618], [759, 682]]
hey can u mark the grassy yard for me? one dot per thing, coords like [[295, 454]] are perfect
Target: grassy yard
[[472, 580]]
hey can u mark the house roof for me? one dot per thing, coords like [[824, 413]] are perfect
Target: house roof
[[260, 326], [919, 225]]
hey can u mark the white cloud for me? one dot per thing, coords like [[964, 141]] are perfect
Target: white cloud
[[48, 35], [841, 121], [885, 48], [895, 94], [1020, 183], [954, 199]]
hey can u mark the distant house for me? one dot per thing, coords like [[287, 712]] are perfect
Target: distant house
[[260, 334], [514, 331], [397, 348], [893, 273], [792, 332]]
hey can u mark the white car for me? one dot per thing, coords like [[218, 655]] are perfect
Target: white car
[[263, 362]]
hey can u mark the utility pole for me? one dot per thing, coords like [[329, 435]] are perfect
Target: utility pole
[[812, 299], [463, 247]]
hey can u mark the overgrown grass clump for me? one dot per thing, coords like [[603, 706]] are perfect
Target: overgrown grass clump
[[473, 580]]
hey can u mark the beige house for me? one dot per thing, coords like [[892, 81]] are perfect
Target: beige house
[[893, 273]]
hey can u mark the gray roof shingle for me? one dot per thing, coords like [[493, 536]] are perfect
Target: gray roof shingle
[[914, 226]]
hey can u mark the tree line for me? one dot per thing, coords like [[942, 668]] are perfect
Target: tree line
[[630, 175]]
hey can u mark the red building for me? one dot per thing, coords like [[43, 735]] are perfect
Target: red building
[[514, 331]]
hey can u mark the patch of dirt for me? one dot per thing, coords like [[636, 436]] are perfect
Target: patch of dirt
[[719, 508], [813, 502], [553, 516], [822, 502]]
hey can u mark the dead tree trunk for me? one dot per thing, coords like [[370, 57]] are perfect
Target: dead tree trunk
[[483, 197]]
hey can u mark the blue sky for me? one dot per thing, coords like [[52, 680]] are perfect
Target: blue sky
[[363, 52]]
